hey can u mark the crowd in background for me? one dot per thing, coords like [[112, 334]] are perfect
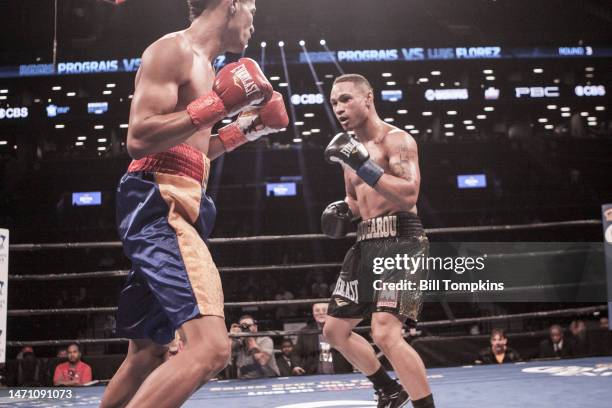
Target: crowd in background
[[309, 353]]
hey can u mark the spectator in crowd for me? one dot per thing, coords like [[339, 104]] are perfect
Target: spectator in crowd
[[556, 345], [315, 354], [62, 353], [73, 372], [600, 339], [254, 355], [578, 337], [25, 350], [29, 369], [319, 288], [498, 352], [287, 362], [288, 310]]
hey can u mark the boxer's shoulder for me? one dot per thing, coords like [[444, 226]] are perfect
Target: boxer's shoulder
[[396, 139], [171, 54]]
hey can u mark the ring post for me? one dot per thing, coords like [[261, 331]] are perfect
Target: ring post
[[606, 214], [4, 259]]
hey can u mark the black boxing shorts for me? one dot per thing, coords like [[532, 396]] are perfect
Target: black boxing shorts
[[376, 270]]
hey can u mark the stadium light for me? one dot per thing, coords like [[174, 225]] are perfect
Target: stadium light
[[281, 43]]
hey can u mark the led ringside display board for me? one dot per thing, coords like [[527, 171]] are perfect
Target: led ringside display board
[[87, 198], [281, 189], [471, 181], [490, 52]]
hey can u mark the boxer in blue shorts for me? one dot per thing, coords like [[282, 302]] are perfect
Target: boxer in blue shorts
[[164, 215]]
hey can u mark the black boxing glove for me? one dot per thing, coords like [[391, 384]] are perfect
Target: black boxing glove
[[336, 219], [345, 149]]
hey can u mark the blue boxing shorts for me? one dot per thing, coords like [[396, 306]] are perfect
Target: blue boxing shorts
[[164, 217]]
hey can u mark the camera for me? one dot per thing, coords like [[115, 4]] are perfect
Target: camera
[[245, 327]]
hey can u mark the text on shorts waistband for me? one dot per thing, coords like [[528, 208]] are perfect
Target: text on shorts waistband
[[390, 226], [180, 160]]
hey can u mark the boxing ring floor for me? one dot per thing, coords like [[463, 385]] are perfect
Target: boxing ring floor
[[568, 383]]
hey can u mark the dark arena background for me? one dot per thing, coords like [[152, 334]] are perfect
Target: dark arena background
[[507, 100]]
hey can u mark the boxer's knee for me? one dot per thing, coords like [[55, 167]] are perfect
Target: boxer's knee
[[336, 335], [145, 353], [211, 356], [386, 331]]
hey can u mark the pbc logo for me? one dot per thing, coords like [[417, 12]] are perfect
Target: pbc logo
[[537, 92]]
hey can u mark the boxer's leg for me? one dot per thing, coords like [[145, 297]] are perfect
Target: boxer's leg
[[339, 333], [142, 358], [387, 334], [206, 352]]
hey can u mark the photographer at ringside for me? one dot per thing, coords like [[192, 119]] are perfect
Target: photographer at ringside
[[254, 356]]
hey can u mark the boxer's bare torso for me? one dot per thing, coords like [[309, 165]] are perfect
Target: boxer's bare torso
[[172, 74], [395, 151], [183, 68]]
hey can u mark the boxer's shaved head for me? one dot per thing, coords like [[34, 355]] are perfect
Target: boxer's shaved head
[[356, 79], [196, 7], [352, 99]]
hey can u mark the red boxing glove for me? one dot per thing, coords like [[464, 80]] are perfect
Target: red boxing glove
[[255, 123], [237, 86]]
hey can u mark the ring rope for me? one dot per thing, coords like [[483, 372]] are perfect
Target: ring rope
[[310, 237], [125, 272], [235, 305], [112, 309], [283, 333], [269, 268]]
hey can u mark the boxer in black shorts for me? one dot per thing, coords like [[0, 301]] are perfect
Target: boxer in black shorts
[[360, 291], [382, 179]]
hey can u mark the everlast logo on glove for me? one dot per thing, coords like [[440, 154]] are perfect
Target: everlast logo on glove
[[248, 84], [380, 227], [348, 148]]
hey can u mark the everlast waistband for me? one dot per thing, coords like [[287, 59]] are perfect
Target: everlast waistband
[[390, 226], [181, 160]]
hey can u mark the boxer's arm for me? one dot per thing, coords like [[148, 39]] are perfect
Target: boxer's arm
[[401, 185], [351, 194], [215, 147], [154, 126]]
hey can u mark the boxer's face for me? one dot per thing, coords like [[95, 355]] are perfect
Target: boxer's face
[[240, 28], [351, 104]]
